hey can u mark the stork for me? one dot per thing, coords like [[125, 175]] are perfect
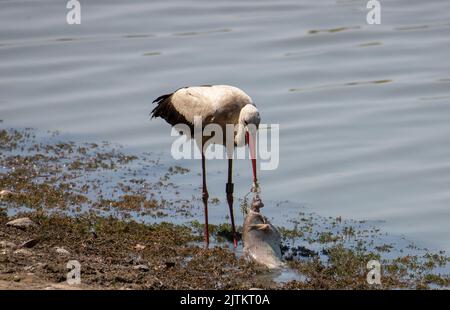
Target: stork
[[214, 104]]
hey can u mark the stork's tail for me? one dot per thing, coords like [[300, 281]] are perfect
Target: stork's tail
[[163, 103], [166, 110]]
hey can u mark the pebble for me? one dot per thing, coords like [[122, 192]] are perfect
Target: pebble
[[28, 268], [141, 267], [24, 252], [29, 243], [23, 222], [5, 192], [6, 244], [62, 251], [139, 247]]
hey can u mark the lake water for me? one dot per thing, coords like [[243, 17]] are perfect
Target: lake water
[[364, 110]]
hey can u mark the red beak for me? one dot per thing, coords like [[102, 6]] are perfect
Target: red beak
[[251, 144]]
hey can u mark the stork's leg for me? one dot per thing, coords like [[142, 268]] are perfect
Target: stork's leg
[[229, 190], [205, 196]]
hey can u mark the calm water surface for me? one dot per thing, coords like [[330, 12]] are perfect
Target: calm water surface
[[364, 111]]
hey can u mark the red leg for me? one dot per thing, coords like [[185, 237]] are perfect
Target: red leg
[[229, 190]]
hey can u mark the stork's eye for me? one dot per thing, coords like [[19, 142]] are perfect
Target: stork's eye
[[245, 123]]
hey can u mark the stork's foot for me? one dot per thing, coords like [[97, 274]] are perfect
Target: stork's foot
[[229, 191]]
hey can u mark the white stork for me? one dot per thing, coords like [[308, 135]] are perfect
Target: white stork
[[214, 104]]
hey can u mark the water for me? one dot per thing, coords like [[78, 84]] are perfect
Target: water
[[363, 110]]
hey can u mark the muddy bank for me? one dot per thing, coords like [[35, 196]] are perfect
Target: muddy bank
[[114, 254], [87, 200]]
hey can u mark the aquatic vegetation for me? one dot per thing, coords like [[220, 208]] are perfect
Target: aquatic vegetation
[[47, 173]]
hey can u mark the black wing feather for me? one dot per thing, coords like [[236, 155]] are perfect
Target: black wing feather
[[166, 110]]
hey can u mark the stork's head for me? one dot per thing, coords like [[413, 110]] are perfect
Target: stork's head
[[249, 120], [249, 116]]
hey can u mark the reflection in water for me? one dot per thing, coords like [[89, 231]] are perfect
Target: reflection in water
[[435, 98], [370, 44], [151, 54], [65, 39], [444, 80], [333, 30], [339, 85], [196, 33], [409, 28], [138, 35]]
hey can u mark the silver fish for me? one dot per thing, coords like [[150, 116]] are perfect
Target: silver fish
[[261, 239]]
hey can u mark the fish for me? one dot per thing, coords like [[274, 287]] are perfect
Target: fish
[[262, 241]]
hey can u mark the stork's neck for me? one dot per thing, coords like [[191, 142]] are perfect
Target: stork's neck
[[240, 133]]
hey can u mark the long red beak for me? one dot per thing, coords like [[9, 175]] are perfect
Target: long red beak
[[251, 144]]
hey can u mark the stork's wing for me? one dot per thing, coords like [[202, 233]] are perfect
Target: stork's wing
[[166, 110], [206, 102]]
